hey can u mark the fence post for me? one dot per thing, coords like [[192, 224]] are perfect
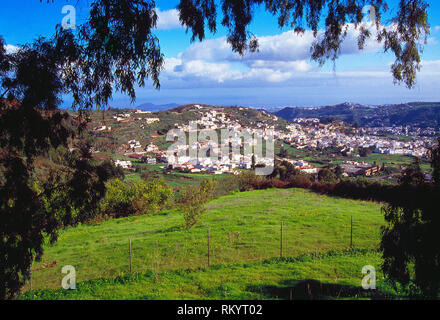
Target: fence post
[[209, 247], [281, 241], [351, 232], [31, 277], [156, 261], [129, 248]]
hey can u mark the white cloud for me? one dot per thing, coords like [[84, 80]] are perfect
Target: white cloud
[[200, 69], [280, 58], [430, 67], [436, 28], [432, 41], [168, 19], [290, 46], [264, 75], [209, 50], [297, 66], [11, 49], [287, 46]]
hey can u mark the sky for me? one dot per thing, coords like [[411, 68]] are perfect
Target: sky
[[280, 74]]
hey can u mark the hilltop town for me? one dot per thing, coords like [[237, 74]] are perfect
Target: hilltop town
[[136, 136]]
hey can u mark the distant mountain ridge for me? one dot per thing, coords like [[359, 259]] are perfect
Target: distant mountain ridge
[[155, 108], [420, 114]]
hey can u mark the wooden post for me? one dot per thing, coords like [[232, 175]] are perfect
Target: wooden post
[[129, 248], [209, 247], [351, 232], [281, 241], [156, 261], [31, 277]]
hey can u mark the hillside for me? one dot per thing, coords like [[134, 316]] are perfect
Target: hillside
[[292, 278], [109, 132], [245, 228], [156, 108], [136, 127], [247, 117], [420, 114]]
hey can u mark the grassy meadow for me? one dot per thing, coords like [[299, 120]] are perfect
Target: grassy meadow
[[335, 275], [244, 229]]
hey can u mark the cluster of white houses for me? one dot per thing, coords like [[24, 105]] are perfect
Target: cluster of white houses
[[216, 165], [325, 136], [305, 133], [125, 117]]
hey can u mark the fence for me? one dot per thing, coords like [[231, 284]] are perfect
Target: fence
[[190, 251]]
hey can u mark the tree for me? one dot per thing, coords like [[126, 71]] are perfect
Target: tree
[[111, 51], [435, 163], [339, 171], [123, 199], [72, 195], [28, 128], [413, 175], [284, 170], [253, 162], [327, 176], [283, 152], [193, 202], [364, 152], [411, 255]]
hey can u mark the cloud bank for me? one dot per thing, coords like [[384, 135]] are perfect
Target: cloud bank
[[168, 19], [281, 59]]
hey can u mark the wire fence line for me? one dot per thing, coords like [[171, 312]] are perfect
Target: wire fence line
[[193, 251]]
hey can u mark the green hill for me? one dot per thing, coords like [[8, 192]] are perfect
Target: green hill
[[419, 114], [244, 228], [135, 127]]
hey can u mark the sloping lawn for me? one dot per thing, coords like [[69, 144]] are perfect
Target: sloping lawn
[[244, 228]]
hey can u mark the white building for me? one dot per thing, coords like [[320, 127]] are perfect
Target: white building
[[123, 164], [152, 120]]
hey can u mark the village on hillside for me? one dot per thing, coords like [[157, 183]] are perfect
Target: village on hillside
[[300, 134]]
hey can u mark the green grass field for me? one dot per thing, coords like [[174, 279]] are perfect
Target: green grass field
[[245, 230], [335, 275]]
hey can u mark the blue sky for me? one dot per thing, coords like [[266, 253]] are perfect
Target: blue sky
[[281, 74]]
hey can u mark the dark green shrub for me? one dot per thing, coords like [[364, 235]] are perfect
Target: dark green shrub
[[135, 198]]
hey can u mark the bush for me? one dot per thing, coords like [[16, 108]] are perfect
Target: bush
[[300, 181], [194, 200], [248, 181], [149, 175], [73, 197], [327, 176], [135, 198]]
